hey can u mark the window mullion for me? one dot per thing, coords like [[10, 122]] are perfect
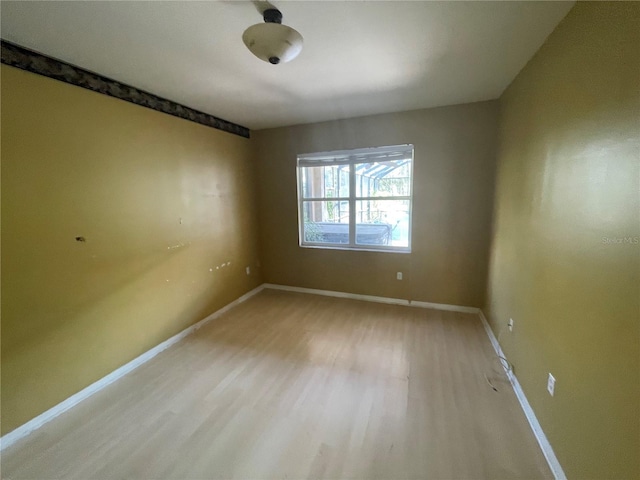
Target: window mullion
[[325, 199], [352, 205], [383, 198]]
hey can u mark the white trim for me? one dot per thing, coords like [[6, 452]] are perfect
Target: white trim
[[444, 306], [335, 246], [37, 422], [353, 155], [547, 450], [373, 298]]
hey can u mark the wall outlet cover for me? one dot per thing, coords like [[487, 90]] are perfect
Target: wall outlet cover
[[551, 384]]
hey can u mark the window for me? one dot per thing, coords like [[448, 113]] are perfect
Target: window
[[356, 199]]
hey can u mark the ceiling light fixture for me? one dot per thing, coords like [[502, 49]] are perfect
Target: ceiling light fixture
[[271, 41]]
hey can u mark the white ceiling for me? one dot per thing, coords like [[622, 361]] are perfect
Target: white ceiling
[[359, 57]]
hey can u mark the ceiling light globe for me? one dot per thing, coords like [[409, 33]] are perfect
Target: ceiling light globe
[[273, 42]]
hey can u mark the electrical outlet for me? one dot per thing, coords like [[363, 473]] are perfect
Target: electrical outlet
[[551, 384], [399, 275], [248, 270], [510, 324]]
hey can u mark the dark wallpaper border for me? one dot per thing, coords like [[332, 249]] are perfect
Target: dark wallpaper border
[[19, 57]]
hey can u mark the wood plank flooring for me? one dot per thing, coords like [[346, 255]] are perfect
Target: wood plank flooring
[[296, 386]]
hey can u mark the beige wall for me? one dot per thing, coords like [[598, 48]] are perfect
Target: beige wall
[[568, 176], [453, 191], [77, 163]]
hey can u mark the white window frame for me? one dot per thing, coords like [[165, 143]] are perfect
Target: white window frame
[[352, 158]]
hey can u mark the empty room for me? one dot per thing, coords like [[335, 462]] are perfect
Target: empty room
[[320, 240]]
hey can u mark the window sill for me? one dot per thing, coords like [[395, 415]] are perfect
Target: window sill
[[357, 249]]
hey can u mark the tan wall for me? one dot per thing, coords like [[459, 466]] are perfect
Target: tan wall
[[568, 178], [77, 163], [453, 191]]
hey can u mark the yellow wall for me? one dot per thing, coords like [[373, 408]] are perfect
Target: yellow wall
[[162, 202], [568, 175], [77, 163], [453, 189]]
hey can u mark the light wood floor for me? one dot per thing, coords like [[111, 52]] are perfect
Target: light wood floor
[[295, 386]]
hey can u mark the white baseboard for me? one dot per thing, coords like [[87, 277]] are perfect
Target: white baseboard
[[444, 306], [37, 422], [547, 450], [373, 298]]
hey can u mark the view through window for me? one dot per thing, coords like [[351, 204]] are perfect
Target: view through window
[[356, 199]]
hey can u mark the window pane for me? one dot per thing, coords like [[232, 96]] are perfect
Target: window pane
[[326, 222], [382, 222], [325, 182], [383, 179]]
